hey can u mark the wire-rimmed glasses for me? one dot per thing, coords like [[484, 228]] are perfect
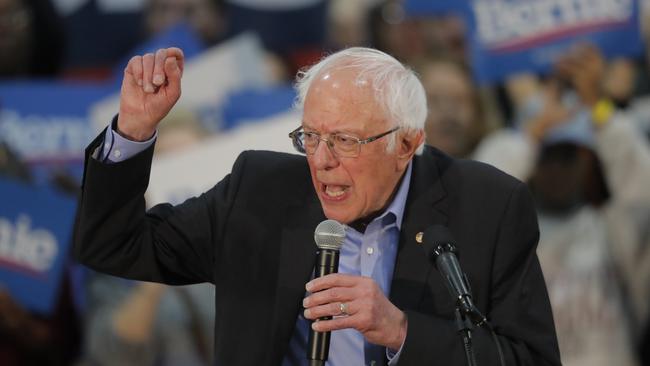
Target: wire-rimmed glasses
[[342, 145]]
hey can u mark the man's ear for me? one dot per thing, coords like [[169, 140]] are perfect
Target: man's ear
[[407, 144]]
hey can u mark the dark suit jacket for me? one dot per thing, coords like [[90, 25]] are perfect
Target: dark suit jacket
[[252, 236]]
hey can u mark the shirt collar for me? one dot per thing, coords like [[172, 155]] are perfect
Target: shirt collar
[[396, 207]]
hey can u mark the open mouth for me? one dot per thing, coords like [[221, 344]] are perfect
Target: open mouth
[[334, 192]]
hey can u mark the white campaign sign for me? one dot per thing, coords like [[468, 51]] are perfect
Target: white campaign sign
[[182, 175]]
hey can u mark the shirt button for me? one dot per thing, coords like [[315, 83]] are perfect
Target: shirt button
[[117, 153], [370, 250]]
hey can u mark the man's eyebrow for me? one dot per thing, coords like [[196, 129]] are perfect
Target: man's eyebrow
[[306, 126], [346, 131]]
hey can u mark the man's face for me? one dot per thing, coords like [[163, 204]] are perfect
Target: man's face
[[351, 188]]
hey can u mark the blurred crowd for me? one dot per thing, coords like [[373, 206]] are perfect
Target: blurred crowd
[[579, 136]]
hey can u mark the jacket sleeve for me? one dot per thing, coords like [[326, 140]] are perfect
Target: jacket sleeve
[[518, 310], [170, 244]]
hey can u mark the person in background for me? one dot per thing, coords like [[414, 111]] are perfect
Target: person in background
[[206, 17], [292, 31], [32, 41], [97, 45], [144, 323], [588, 167], [456, 122]]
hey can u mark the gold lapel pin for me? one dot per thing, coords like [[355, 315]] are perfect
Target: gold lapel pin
[[418, 237]]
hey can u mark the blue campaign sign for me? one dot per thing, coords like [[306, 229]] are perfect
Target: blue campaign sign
[[416, 8], [35, 233], [513, 36], [47, 121]]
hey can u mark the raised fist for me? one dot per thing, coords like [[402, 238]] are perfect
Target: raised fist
[[150, 88]]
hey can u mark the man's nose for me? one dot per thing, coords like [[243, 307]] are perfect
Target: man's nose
[[324, 157]]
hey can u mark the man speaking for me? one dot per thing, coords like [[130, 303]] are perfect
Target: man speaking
[[251, 235]]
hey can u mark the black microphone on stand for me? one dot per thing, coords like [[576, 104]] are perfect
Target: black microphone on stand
[[440, 248], [329, 236]]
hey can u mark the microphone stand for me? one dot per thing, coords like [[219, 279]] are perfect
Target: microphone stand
[[439, 247], [467, 317], [464, 327]]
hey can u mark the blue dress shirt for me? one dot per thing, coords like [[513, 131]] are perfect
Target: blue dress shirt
[[371, 254]]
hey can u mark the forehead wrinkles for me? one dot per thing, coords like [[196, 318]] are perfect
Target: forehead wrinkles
[[353, 93]]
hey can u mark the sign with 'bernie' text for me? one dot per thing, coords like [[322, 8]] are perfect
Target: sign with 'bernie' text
[[513, 36], [35, 233]]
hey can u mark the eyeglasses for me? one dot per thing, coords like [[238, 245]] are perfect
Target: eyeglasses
[[340, 144]]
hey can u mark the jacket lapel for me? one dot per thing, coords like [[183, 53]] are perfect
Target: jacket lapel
[[296, 264], [426, 205]]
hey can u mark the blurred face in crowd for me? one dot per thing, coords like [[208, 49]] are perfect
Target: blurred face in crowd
[[351, 188], [392, 32], [619, 81], [453, 124], [444, 32], [346, 23], [204, 17], [15, 37], [566, 177]]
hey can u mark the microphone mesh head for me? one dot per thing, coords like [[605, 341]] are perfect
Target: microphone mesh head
[[329, 234]]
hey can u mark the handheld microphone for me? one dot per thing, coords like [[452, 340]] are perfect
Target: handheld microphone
[[441, 249], [329, 236]]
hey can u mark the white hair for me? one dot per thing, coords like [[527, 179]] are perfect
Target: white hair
[[397, 89]]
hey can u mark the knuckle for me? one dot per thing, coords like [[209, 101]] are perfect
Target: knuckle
[[317, 312], [316, 299], [334, 293], [312, 313], [366, 284], [334, 309]]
